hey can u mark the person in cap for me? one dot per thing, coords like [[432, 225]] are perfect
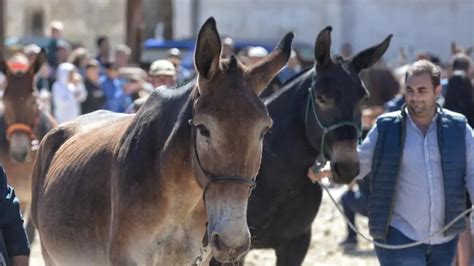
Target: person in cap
[[228, 47], [255, 54], [56, 30], [14, 246], [122, 55], [175, 57], [162, 73], [31, 51], [95, 95]]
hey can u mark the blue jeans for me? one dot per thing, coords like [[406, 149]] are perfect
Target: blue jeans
[[432, 255]]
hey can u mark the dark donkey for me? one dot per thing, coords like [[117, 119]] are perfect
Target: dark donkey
[[23, 123], [285, 202], [138, 189]]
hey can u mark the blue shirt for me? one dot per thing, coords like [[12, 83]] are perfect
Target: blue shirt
[[420, 202], [116, 99]]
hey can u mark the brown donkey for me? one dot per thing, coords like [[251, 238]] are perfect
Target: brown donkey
[[23, 123], [138, 189]]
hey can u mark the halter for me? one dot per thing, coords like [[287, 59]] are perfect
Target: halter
[[213, 178], [326, 129], [23, 128]]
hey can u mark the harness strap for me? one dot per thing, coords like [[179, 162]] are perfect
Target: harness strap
[[213, 178], [24, 128], [326, 129]]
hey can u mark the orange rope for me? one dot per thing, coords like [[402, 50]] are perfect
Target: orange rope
[[20, 128]]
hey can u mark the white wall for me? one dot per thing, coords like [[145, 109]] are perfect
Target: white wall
[[428, 25], [83, 20], [416, 24], [264, 19]]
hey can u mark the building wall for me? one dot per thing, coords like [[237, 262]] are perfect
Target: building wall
[[83, 20], [261, 19], [428, 25], [417, 25]]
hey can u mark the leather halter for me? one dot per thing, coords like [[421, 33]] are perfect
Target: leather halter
[[326, 129], [213, 178]]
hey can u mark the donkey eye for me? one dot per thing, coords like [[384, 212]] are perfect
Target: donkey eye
[[203, 131]]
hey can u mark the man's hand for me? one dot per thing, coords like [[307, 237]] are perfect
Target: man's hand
[[317, 177]]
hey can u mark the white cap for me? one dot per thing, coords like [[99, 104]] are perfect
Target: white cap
[[257, 51]]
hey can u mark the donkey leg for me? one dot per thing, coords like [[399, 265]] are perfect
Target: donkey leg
[[47, 259], [292, 252]]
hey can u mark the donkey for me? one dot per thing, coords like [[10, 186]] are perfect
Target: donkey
[[23, 123], [138, 189], [316, 114]]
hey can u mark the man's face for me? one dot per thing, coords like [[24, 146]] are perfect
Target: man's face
[[421, 96], [160, 80]]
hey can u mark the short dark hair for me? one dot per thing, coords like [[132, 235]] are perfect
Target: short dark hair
[[423, 66], [101, 39]]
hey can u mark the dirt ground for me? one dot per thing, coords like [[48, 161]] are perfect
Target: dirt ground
[[328, 230]]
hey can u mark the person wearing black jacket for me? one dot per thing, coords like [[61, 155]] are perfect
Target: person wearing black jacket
[[14, 246], [95, 95]]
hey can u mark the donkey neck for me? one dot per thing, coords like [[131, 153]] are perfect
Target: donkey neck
[[175, 163], [155, 152], [287, 110], [155, 149]]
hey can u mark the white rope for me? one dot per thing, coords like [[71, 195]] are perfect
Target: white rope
[[205, 257], [387, 246]]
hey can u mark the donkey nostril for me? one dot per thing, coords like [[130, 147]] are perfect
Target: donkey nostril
[[215, 241]]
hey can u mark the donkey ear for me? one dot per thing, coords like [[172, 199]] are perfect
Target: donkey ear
[[369, 56], [39, 61], [208, 50], [266, 69], [322, 48]]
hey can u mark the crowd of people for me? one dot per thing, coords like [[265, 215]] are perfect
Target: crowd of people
[[74, 82]]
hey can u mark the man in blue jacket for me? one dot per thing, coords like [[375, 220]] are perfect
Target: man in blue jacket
[[14, 247], [421, 159]]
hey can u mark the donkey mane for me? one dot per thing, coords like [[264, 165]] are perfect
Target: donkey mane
[[151, 128], [301, 77]]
